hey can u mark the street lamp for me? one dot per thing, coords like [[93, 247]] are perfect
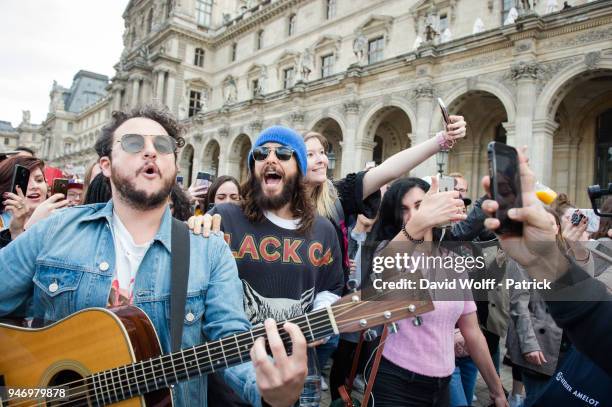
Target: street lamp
[[442, 160], [331, 158]]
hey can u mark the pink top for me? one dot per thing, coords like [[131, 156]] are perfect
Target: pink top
[[428, 349]]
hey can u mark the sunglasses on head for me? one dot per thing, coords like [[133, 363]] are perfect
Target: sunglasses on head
[[134, 143], [282, 153]]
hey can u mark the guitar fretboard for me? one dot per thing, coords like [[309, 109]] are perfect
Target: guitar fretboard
[[139, 378]]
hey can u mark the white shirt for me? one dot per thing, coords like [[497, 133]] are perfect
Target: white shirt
[[128, 256]]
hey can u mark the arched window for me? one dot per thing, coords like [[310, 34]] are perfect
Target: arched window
[[603, 149], [291, 25]]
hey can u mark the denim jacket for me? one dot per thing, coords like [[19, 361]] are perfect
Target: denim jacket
[[66, 262]]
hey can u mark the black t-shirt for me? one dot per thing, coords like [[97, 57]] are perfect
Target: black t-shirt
[[281, 270]]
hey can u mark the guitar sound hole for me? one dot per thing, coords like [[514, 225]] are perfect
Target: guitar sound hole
[[76, 390]]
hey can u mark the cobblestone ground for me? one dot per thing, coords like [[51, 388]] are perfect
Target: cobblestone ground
[[482, 393]]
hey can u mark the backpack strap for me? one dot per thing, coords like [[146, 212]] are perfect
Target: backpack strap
[[178, 281]]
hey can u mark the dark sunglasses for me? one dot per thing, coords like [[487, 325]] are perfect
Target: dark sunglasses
[[282, 153], [134, 143]]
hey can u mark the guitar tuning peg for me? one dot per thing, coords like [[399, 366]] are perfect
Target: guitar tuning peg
[[417, 321], [393, 328], [351, 285], [369, 335]]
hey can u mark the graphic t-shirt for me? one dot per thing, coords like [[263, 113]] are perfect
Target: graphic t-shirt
[[128, 256], [281, 270]]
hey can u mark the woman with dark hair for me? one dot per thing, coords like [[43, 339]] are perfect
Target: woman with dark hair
[[224, 189], [98, 191], [19, 211], [418, 360]]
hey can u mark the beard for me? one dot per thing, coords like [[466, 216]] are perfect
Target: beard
[[271, 203], [140, 199]]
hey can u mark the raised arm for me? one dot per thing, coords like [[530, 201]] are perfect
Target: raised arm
[[404, 161]]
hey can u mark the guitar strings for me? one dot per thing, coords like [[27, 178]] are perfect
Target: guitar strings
[[111, 387], [164, 361], [107, 385]]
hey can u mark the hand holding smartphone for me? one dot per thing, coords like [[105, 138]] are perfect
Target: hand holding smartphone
[[505, 185]]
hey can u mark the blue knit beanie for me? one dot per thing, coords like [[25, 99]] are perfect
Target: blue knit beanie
[[286, 137]]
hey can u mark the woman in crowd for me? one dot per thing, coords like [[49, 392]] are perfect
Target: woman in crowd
[[20, 211], [224, 189], [358, 193], [418, 361]]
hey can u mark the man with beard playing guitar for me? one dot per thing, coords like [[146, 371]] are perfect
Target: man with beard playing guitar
[[123, 248]]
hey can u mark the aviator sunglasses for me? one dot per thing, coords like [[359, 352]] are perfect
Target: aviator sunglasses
[[134, 143], [282, 153]]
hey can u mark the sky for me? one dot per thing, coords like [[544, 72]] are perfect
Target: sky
[[46, 40]]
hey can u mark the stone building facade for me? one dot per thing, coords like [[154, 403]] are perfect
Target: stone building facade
[[367, 75]]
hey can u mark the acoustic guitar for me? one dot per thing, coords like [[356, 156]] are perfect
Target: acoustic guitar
[[100, 356]]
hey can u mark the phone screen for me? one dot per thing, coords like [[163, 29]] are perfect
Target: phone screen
[[446, 183], [60, 186], [203, 178], [505, 185], [21, 177]]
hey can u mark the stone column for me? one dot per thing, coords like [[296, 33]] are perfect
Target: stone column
[[422, 129], [350, 138], [363, 153], [525, 74], [542, 149], [116, 96], [171, 91], [159, 87], [135, 91], [297, 122]]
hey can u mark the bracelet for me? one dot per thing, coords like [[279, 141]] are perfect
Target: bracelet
[[444, 143], [413, 240]]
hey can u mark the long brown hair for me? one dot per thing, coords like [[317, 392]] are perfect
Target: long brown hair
[[300, 203], [604, 223], [323, 195], [8, 166]]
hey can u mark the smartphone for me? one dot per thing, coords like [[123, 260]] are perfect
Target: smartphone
[[60, 186], [21, 177], [577, 217], [179, 180], [505, 185], [446, 183], [203, 178], [593, 225], [444, 110]]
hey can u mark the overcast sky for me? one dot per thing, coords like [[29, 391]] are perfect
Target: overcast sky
[[46, 40]]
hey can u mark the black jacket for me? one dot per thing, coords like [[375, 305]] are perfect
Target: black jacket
[[587, 318]]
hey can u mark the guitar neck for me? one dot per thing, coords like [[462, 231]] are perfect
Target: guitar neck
[[139, 378]]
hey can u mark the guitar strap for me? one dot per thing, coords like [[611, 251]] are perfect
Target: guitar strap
[[179, 246]]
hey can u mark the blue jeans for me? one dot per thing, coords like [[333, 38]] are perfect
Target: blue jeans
[[534, 386], [463, 382], [325, 350]]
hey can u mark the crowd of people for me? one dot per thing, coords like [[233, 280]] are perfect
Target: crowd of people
[[289, 241]]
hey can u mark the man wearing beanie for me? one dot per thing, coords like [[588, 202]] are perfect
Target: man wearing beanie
[[288, 257]]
